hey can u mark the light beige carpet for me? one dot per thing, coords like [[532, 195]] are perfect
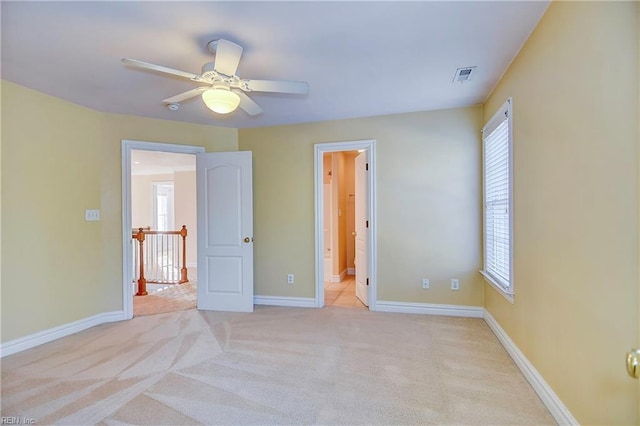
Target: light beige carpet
[[169, 298], [274, 366]]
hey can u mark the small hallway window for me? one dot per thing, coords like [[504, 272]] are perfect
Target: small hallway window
[[163, 206]]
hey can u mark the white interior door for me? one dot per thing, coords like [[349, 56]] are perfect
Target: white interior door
[[225, 231], [362, 230]]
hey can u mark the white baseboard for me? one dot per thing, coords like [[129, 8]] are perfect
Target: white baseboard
[[294, 302], [558, 410], [351, 271], [430, 309], [338, 278], [27, 342]]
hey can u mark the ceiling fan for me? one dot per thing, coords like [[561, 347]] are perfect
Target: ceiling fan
[[221, 89]]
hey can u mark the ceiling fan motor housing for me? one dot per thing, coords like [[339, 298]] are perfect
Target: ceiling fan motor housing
[[212, 46], [219, 87]]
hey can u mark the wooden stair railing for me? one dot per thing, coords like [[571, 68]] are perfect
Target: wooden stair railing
[[147, 255]]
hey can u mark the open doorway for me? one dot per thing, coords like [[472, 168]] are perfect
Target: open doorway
[[345, 224], [159, 208], [163, 214], [340, 237]]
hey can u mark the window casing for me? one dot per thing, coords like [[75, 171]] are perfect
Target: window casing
[[163, 206], [497, 165]]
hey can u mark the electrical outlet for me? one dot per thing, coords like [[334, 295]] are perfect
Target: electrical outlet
[[92, 215], [425, 283], [290, 279], [455, 284]]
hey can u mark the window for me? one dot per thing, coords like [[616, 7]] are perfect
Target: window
[[497, 143], [163, 206]]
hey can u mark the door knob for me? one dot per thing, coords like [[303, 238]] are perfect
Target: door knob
[[354, 233], [633, 363], [247, 239]]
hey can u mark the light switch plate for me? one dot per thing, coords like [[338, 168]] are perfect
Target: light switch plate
[[455, 284]]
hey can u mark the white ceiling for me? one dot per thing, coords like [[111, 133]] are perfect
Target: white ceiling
[[359, 58], [160, 163]]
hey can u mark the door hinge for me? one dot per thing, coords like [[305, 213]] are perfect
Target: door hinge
[[367, 224], [367, 281], [366, 166]]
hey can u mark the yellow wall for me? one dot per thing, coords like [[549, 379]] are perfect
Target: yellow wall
[[575, 114], [428, 168], [58, 160]]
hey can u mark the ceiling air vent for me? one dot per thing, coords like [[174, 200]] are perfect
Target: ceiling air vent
[[464, 74]]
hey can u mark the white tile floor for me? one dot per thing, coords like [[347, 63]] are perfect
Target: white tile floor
[[342, 294]]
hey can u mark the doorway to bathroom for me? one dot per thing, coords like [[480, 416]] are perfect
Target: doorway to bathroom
[[345, 224]]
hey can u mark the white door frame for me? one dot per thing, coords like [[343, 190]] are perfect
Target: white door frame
[[319, 150], [127, 147]]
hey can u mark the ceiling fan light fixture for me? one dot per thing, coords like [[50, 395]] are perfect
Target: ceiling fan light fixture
[[221, 100], [224, 91]]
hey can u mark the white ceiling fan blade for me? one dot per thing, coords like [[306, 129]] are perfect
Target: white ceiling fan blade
[[247, 104], [227, 56], [153, 67], [296, 87], [186, 95]]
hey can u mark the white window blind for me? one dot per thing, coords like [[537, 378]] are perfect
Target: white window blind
[[496, 137]]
